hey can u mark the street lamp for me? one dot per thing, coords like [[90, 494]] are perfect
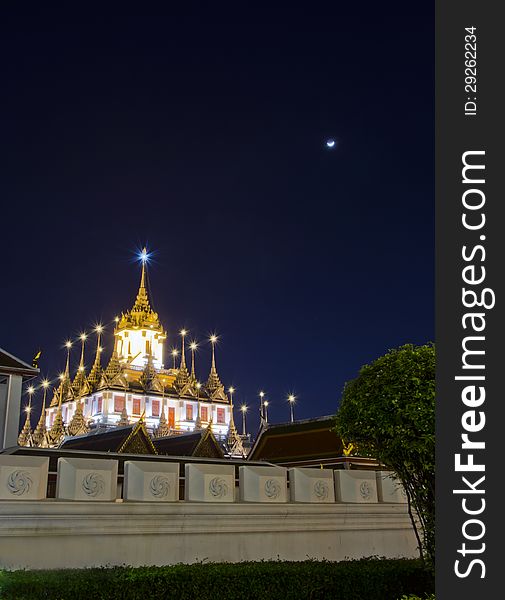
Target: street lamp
[[265, 405], [291, 400], [198, 424], [175, 353], [243, 408], [262, 395]]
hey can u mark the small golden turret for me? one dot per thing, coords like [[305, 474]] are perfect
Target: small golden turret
[[78, 424]]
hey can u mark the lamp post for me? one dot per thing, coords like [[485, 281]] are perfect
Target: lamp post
[[243, 408], [291, 400], [265, 406], [231, 390], [31, 391], [262, 416], [198, 424], [175, 352]]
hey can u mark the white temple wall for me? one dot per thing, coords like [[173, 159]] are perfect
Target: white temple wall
[[59, 534], [109, 416]]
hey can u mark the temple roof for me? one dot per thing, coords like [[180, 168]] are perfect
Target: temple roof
[[302, 440], [308, 442], [196, 443], [132, 438], [15, 366]]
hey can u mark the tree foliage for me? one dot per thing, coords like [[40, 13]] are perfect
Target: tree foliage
[[388, 412]]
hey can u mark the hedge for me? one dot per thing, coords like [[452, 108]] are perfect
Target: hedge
[[365, 579]]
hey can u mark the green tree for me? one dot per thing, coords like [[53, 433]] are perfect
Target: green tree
[[388, 412]]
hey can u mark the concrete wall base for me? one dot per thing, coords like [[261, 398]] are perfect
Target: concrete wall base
[[54, 534]]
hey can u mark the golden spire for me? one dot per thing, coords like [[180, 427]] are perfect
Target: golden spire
[[234, 441], [80, 377], [123, 421], [192, 378], [163, 429], [149, 378], [113, 368], [214, 387], [183, 333], [25, 437], [232, 431], [182, 378], [40, 431], [78, 425], [198, 423], [63, 390], [141, 314], [96, 370], [142, 300], [57, 431]]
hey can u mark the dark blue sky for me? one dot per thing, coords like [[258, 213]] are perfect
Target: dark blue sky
[[203, 136]]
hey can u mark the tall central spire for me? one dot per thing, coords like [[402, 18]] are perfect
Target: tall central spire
[[142, 300]]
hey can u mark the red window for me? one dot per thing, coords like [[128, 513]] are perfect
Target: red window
[[171, 416], [99, 404], [119, 403], [220, 416], [136, 406], [189, 412], [204, 412], [156, 408]]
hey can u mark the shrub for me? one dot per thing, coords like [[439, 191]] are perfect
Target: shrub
[[380, 579], [388, 412]]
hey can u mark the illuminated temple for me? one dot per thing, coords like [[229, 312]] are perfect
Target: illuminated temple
[[135, 386]]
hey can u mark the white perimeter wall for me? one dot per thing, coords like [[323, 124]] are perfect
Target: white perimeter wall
[[54, 534]]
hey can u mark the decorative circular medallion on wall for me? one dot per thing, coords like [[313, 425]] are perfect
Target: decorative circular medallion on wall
[[365, 490], [218, 487], [19, 483], [272, 489], [321, 489], [159, 486], [93, 485]]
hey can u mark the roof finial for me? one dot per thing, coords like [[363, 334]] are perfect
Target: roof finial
[[143, 257], [142, 300]]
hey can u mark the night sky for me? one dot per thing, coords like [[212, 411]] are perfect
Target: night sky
[[203, 136]]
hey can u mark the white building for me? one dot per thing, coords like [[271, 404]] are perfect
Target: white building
[[135, 384]]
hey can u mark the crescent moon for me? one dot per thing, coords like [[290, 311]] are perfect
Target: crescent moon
[[330, 143]]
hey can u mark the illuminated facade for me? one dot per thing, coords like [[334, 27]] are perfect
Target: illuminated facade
[[135, 383]]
